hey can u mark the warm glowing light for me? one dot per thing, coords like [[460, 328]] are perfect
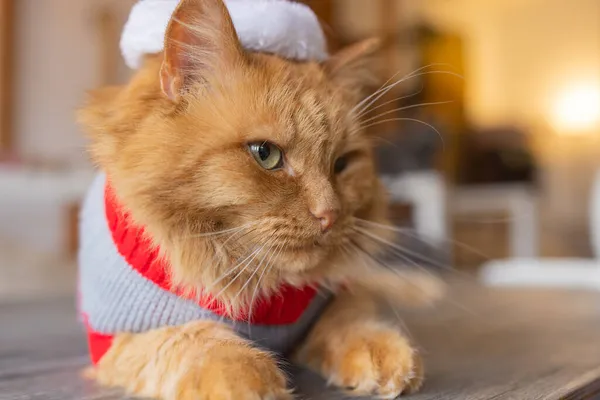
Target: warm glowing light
[[577, 109]]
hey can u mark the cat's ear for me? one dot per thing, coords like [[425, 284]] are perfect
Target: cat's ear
[[351, 67], [200, 40]]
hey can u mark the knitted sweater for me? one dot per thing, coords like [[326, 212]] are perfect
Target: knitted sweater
[[124, 286]]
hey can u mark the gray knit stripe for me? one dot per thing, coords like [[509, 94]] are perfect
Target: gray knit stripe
[[116, 298]]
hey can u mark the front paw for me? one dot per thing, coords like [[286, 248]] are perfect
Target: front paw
[[368, 360], [235, 371], [197, 361]]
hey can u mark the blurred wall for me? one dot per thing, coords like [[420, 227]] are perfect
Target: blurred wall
[[359, 19], [521, 53], [515, 50], [57, 60], [520, 56]]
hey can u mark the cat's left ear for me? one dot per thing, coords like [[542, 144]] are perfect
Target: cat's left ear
[[200, 40], [351, 67]]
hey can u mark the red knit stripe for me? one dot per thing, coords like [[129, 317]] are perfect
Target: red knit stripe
[[97, 343], [283, 308]]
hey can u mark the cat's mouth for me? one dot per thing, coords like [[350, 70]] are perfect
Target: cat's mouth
[[291, 253]]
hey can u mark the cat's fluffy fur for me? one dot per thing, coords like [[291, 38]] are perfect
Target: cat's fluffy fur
[[173, 143]]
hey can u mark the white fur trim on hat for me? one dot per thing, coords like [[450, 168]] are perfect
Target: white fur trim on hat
[[290, 30]]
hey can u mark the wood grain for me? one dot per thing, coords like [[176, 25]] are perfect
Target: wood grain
[[480, 344]]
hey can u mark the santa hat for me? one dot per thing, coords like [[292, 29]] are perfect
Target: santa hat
[[285, 28]]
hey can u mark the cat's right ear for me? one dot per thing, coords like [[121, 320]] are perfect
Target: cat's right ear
[[200, 40], [351, 67]]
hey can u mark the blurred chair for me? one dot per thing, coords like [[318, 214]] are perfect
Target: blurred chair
[[407, 162], [497, 173], [570, 273], [425, 191], [518, 200], [41, 207]]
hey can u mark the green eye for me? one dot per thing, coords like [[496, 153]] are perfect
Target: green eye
[[267, 155]]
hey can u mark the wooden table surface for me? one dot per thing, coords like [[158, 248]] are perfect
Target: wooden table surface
[[480, 344]]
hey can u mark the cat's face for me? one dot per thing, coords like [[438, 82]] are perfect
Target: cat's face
[[273, 151], [242, 160]]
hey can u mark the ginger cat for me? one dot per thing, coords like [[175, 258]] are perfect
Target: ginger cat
[[237, 216]]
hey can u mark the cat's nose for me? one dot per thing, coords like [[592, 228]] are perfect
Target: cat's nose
[[327, 218]]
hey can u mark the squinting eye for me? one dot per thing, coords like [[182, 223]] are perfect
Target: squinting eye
[[340, 164], [267, 155]]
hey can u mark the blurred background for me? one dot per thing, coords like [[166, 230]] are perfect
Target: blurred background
[[490, 141]]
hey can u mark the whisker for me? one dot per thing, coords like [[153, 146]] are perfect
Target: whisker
[[232, 270], [403, 253], [218, 233], [387, 85], [404, 258], [400, 320], [393, 85], [360, 250], [256, 270], [412, 233], [462, 307], [249, 231], [259, 268], [368, 110], [388, 301], [245, 285], [238, 275], [384, 140], [389, 267], [253, 298], [405, 119], [396, 110], [402, 250], [498, 220], [346, 248]]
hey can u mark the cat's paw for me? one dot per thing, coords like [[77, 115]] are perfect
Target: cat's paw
[[370, 361], [196, 361], [236, 372]]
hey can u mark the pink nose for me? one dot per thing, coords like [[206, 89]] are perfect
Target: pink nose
[[327, 219]]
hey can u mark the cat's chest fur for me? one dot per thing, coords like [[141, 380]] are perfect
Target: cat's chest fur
[[116, 296]]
